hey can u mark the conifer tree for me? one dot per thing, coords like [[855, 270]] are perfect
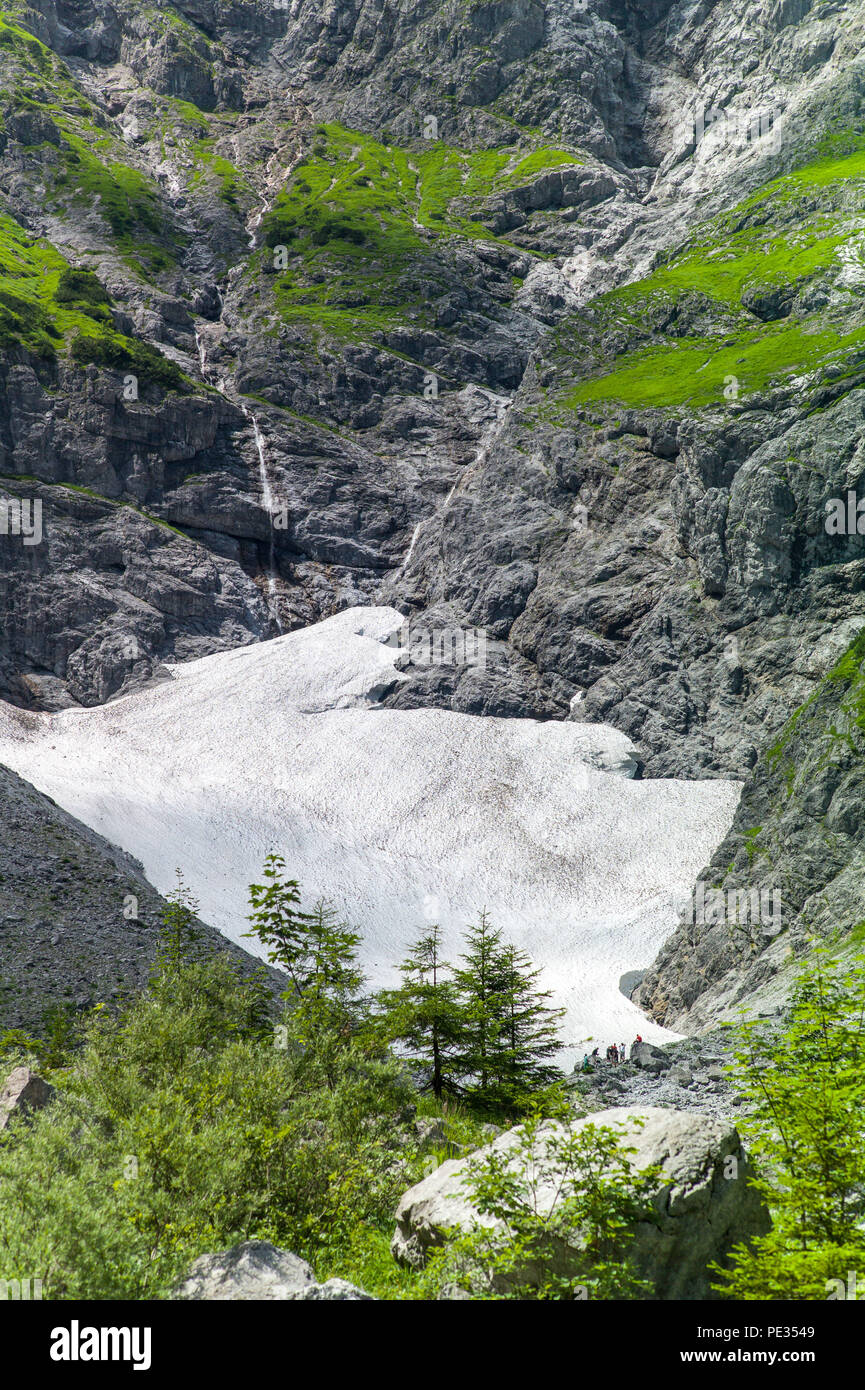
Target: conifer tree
[[482, 989], [424, 1013], [315, 949], [179, 933], [507, 1030], [804, 1122], [332, 971], [529, 1035], [278, 922]]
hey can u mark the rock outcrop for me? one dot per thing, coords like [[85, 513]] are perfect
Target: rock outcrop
[[22, 1093], [79, 923], [256, 1271], [702, 1207], [694, 1073]]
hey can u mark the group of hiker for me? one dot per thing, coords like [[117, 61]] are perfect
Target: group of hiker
[[616, 1053]]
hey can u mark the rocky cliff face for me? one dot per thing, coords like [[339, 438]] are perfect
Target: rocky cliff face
[[545, 319]]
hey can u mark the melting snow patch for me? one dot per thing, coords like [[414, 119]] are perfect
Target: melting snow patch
[[398, 816]]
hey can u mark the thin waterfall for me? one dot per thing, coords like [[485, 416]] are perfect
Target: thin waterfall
[[267, 497], [266, 490]]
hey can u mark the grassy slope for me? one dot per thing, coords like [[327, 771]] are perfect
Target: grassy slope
[[357, 215], [80, 162], [790, 233], [46, 311]]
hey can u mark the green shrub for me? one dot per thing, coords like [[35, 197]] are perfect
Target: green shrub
[[185, 1125], [128, 355], [28, 325], [572, 1246], [81, 287], [804, 1122]]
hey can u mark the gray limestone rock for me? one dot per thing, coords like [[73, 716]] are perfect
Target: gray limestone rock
[[22, 1093], [257, 1270], [702, 1207]]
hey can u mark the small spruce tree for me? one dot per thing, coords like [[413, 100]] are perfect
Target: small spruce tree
[[481, 981], [528, 1037], [804, 1123], [424, 1014], [316, 950]]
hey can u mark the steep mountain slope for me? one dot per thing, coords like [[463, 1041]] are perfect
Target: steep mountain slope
[[80, 921], [798, 830], [540, 318]]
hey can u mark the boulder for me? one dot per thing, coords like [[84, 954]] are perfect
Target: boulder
[[257, 1270], [650, 1058], [22, 1092], [430, 1131], [699, 1212]]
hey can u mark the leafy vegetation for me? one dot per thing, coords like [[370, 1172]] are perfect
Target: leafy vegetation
[[484, 1030], [792, 232], [201, 1115], [47, 306], [358, 214], [804, 1088], [80, 162], [110, 349], [189, 1122], [560, 1209]]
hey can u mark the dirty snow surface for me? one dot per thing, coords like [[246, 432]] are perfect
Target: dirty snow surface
[[398, 817]]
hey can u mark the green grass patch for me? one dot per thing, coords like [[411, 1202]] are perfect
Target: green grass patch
[[48, 307], [358, 214], [19, 42], [788, 233], [693, 372], [79, 161]]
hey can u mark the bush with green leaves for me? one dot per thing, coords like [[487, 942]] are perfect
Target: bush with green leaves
[[191, 1121], [556, 1212], [202, 1114], [804, 1123], [110, 349]]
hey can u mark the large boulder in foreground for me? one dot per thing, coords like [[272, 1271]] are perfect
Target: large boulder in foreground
[[257, 1270], [22, 1092], [704, 1202]]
